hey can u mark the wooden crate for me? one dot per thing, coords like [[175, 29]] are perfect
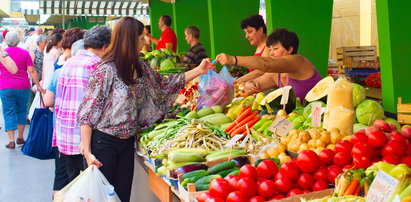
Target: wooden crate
[[347, 56], [404, 112]]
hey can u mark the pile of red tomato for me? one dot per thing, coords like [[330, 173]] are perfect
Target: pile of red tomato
[[267, 182]]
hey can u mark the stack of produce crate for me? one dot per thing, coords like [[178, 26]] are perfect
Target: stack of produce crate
[[359, 62]]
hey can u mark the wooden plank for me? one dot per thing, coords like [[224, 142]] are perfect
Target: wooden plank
[[358, 59], [404, 108], [362, 53], [375, 93], [159, 187], [404, 118], [355, 48]]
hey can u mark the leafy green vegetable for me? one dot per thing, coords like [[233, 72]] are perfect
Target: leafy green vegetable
[[358, 94], [368, 111]]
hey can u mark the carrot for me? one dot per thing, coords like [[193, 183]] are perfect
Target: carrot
[[232, 125], [357, 191], [241, 116], [245, 120], [241, 129], [352, 187], [243, 108]]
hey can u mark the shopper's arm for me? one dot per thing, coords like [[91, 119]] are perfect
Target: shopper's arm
[[86, 131], [48, 99], [33, 73], [252, 75], [8, 62], [199, 70], [286, 64]]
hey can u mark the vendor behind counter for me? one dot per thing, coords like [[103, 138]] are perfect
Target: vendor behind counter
[[283, 44]]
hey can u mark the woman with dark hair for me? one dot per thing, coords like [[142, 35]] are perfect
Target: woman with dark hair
[[123, 95], [70, 36], [53, 51], [147, 41], [283, 44]]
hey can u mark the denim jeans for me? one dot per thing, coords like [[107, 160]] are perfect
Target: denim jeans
[[14, 103]]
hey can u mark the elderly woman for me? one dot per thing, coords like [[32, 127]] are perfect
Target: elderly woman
[[69, 37], [15, 89], [38, 54]]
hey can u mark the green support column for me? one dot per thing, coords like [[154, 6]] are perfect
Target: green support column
[[311, 20], [157, 9], [225, 33], [394, 31], [191, 12]]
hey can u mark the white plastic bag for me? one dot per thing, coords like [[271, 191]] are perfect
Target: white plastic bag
[[89, 186], [35, 104]]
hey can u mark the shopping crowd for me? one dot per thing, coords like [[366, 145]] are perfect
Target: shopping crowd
[[102, 95]]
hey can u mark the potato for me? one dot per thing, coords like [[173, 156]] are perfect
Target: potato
[[280, 148], [335, 137], [312, 143], [348, 137], [319, 143], [293, 132], [305, 137], [294, 147], [335, 130], [331, 146], [318, 150], [326, 137], [264, 155], [303, 147], [272, 152], [284, 140], [282, 155], [285, 159]]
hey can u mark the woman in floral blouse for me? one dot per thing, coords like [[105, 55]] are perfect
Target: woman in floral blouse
[[123, 95]]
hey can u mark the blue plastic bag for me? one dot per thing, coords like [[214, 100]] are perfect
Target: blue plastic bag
[[226, 76], [38, 143], [214, 89]]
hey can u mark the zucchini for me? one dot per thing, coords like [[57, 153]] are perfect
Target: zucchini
[[217, 109], [232, 154], [195, 173], [216, 119], [205, 111], [207, 179], [221, 166], [226, 172], [184, 157]]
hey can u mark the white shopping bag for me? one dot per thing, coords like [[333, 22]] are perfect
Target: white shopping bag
[[35, 104], [89, 186]]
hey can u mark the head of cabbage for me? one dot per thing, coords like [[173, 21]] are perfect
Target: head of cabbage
[[368, 111], [358, 94], [167, 64]]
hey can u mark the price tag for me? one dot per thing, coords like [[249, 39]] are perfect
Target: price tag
[[286, 95], [281, 126], [233, 140], [316, 114], [382, 187]]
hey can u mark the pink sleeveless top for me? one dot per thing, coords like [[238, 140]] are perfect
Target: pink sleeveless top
[[257, 54], [301, 87]]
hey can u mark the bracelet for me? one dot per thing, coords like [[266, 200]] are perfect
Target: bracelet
[[235, 57]]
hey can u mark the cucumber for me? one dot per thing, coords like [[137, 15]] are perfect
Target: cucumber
[[221, 167], [226, 172], [205, 111], [202, 187], [195, 173], [232, 154], [190, 180], [207, 179], [234, 172], [264, 126]]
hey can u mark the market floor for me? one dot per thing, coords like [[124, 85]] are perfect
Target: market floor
[[26, 179]]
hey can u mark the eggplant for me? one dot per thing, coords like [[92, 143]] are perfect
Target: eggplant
[[241, 160], [188, 168]]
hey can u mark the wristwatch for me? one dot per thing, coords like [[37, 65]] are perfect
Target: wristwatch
[[6, 54]]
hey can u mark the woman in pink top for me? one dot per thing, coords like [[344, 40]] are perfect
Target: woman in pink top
[[15, 88]]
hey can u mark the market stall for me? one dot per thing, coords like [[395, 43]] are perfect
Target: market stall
[[219, 143]]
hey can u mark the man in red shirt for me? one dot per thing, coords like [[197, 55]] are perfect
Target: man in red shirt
[[168, 39]]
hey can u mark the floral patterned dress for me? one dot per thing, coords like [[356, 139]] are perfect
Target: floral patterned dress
[[112, 107]]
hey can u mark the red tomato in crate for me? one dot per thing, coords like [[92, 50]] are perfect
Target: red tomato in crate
[[321, 174], [290, 169], [277, 197], [343, 145], [363, 149], [257, 199], [248, 171], [359, 136], [236, 196], [284, 184], [267, 169], [267, 189], [220, 188], [342, 159], [247, 186], [320, 185], [308, 161], [377, 139], [392, 159], [305, 181], [294, 191], [333, 172], [406, 160], [326, 156], [394, 148], [361, 162], [232, 179], [204, 196]]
